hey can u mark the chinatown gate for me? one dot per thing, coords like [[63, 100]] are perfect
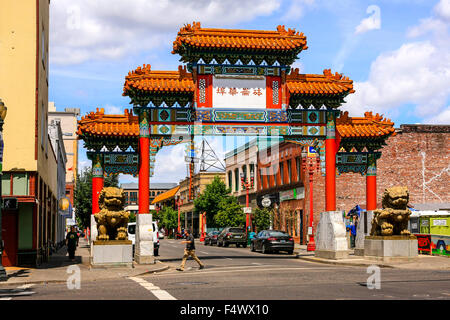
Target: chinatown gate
[[235, 82]]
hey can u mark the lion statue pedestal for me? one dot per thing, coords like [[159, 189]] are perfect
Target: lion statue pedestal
[[111, 247], [390, 239]]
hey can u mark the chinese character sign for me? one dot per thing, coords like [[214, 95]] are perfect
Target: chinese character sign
[[239, 93]]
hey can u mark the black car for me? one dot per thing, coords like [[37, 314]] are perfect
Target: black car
[[211, 238], [273, 240], [232, 235]]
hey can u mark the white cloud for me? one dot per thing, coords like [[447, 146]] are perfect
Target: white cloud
[[113, 109], [297, 9], [442, 10], [441, 118], [370, 23], [111, 29], [418, 74]]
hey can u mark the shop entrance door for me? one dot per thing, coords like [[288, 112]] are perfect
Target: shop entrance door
[[9, 236]]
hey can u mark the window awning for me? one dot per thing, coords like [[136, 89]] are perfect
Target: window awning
[[166, 195]]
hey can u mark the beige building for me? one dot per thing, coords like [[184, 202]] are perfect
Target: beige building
[[29, 161], [68, 121], [199, 183], [241, 162]]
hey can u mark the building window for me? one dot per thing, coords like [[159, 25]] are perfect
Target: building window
[[282, 172], [261, 177], [236, 179], [275, 175], [133, 197], [268, 177], [299, 168], [126, 197], [244, 171], [230, 179], [289, 167]]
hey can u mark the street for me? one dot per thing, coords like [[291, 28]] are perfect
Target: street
[[239, 274]]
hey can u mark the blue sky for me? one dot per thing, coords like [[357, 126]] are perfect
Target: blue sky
[[397, 52]]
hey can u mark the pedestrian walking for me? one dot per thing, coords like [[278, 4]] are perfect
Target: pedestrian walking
[[189, 251], [353, 231], [72, 243]]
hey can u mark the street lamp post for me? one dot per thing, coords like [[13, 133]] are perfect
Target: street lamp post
[[310, 163], [179, 203], [247, 185], [3, 109]]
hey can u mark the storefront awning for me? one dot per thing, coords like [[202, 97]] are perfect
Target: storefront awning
[[166, 195]]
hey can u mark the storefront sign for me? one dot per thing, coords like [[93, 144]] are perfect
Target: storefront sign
[[293, 194], [439, 222], [266, 202], [424, 242]]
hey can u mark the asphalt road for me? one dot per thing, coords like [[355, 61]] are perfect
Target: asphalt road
[[239, 274]]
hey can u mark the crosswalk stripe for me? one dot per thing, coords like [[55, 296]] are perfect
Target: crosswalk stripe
[[156, 291]]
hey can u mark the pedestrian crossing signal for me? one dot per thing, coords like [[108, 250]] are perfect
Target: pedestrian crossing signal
[[9, 204]]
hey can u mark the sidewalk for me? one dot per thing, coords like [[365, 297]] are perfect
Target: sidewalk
[[56, 270], [423, 262]]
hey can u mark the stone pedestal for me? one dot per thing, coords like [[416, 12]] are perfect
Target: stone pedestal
[[391, 248], [331, 241], [363, 230], [112, 253], [144, 239]]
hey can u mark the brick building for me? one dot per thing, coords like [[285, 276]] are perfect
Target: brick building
[[417, 156]]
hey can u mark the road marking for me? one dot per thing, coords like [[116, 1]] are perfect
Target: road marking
[[156, 291], [25, 286], [204, 252], [4, 299], [236, 269]]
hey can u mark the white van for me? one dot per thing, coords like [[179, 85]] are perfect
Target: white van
[[132, 236]]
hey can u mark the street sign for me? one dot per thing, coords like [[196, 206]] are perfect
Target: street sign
[[191, 159], [247, 209], [266, 202], [312, 152]]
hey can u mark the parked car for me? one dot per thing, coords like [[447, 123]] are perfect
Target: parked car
[[232, 235], [273, 241], [132, 236], [211, 238]]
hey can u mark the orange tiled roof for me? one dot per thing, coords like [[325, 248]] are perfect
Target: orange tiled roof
[[317, 84], [127, 125], [363, 127], [166, 195], [196, 36], [167, 81], [99, 124]]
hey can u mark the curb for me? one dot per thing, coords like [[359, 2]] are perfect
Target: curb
[[338, 263], [151, 271]]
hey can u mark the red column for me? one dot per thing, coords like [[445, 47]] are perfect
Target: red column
[[97, 181], [144, 161], [371, 184], [330, 165]]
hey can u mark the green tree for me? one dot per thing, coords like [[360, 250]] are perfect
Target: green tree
[[210, 198], [83, 195], [230, 213], [169, 218], [262, 218]]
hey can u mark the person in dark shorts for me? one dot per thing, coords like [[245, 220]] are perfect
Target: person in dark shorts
[[72, 243], [189, 251]]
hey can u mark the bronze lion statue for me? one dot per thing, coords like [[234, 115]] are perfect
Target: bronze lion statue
[[112, 220], [393, 218]]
